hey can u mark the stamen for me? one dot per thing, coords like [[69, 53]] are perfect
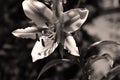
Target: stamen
[[50, 36], [43, 43], [37, 37]]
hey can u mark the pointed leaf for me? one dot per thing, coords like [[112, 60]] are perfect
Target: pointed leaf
[[70, 45], [37, 12], [53, 63], [43, 48], [73, 19], [29, 32]]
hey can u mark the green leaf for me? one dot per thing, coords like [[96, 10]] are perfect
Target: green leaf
[[54, 63]]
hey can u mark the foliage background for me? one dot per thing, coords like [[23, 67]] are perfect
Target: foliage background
[[15, 57]]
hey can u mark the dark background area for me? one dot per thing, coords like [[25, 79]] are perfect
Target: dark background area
[[15, 58]]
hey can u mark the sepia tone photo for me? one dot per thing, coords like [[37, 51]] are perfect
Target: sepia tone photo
[[60, 40]]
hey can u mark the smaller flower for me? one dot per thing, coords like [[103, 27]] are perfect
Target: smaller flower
[[52, 27]]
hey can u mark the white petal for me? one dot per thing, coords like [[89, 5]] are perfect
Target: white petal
[[29, 32], [41, 51], [37, 12], [73, 19], [70, 45]]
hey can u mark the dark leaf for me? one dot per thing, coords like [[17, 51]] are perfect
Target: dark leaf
[[104, 47], [54, 63]]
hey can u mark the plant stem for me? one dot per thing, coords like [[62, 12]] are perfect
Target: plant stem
[[61, 50]]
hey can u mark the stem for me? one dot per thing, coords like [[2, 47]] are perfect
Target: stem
[[61, 50], [57, 8]]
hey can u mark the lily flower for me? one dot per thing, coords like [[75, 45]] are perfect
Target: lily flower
[[53, 26]]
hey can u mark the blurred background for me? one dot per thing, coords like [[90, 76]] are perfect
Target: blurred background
[[15, 59]]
